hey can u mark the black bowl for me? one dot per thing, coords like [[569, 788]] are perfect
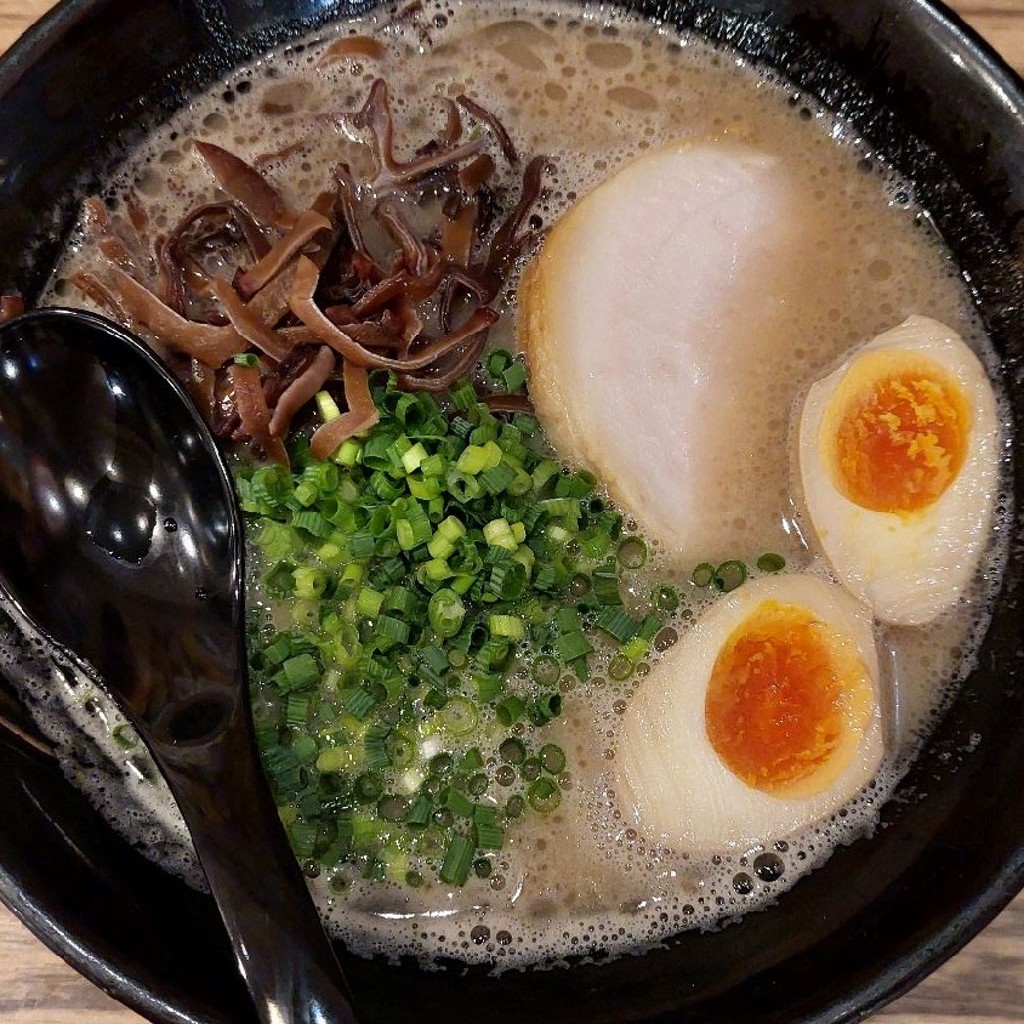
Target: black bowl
[[923, 91]]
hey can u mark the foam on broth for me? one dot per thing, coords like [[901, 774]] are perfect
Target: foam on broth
[[592, 89]]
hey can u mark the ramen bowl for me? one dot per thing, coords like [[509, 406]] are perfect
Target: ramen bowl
[[948, 853]]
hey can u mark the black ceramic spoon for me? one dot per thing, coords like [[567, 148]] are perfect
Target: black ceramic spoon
[[120, 539]]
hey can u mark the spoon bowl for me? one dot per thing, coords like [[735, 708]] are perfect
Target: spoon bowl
[[121, 542]]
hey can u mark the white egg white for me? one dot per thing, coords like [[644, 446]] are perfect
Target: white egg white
[[672, 782], [908, 568]]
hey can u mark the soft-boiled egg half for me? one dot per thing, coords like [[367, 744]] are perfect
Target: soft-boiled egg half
[[763, 719], [898, 458]]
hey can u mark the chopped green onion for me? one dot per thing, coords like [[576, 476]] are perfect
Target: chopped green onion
[[636, 650], [401, 748], [432, 664], [703, 575], [620, 668], [457, 802], [391, 630], [771, 562], [570, 646], [471, 760], [510, 710], [489, 686], [359, 702], [333, 759], [474, 459], [632, 552], [498, 360], [606, 585], [419, 813], [730, 575], [413, 458], [350, 452], [499, 534], [297, 673], [368, 787], [463, 396], [552, 758], [508, 580], [510, 626], [297, 710], [375, 751], [458, 860], [489, 835], [302, 835], [416, 565], [512, 750], [544, 795], [497, 478], [124, 736], [369, 602], [459, 716], [616, 622], [327, 406], [446, 613], [545, 708], [514, 377], [545, 670], [362, 545]]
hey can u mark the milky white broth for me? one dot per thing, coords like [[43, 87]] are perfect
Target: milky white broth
[[592, 89]]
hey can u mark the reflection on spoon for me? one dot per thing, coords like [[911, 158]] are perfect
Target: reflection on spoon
[[121, 540]]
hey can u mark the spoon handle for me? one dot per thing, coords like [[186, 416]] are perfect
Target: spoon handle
[[282, 951]]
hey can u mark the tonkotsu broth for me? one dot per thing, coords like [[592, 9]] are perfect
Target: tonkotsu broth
[[594, 89]]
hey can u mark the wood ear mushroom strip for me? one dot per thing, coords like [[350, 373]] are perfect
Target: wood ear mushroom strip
[[302, 390], [269, 266], [249, 326], [253, 411], [210, 344], [303, 288], [362, 414], [303, 306], [245, 184]]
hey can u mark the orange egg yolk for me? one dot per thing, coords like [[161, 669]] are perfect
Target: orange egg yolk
[[901, 435], [787, 701]]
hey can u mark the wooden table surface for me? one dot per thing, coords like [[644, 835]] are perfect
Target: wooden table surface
[[983, 984]]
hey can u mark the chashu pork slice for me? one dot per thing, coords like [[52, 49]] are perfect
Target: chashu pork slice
[[647, 321]]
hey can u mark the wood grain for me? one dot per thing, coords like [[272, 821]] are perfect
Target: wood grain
[[17, 15], [983, 984]]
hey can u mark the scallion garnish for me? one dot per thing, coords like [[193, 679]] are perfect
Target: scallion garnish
[[446, 612], [510, 710], [552, 758], [458, 860], [512, 751], [771, 562], [424, 565], [703, 575], [633, 552], [730, 575], [544, 795]]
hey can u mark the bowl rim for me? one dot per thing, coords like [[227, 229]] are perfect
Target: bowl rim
[[897, 978]]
